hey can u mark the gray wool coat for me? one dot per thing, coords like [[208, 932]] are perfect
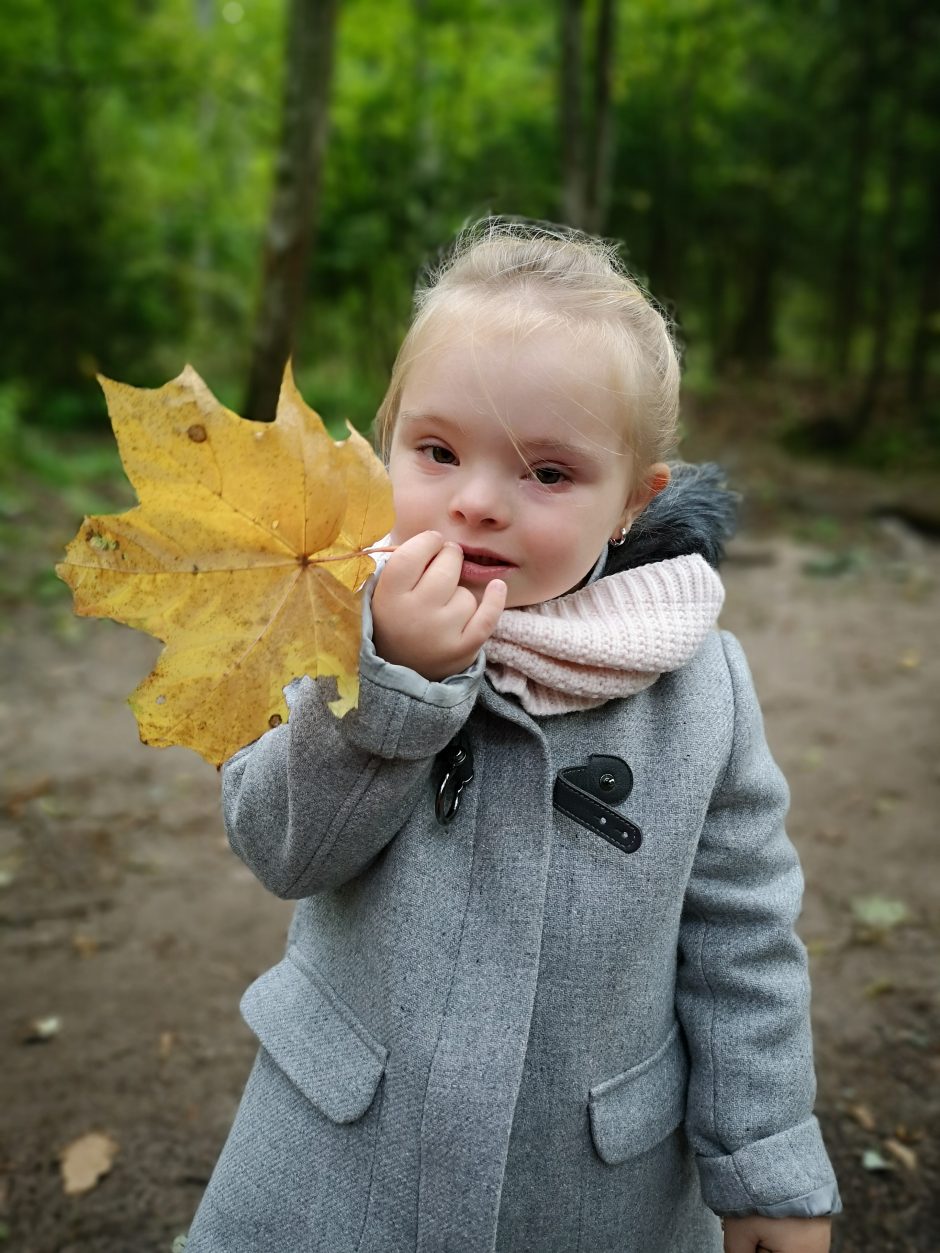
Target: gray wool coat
[[507, 1033]]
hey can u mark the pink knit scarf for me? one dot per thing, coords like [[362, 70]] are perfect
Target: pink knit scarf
[[613, 637]]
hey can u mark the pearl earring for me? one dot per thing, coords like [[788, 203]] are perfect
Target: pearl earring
[[615, 543]]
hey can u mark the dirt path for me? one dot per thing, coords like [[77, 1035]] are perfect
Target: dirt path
[[125, 917]]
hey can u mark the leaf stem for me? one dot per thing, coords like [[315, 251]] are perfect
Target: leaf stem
[[360, 552]]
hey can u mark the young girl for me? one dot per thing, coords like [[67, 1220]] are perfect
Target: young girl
[[542, 992]]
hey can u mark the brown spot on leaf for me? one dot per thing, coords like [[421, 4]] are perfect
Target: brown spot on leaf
[[101, 542], [275, 720], [197, 433]]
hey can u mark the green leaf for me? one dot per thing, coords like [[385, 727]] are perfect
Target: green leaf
[[879, 912]]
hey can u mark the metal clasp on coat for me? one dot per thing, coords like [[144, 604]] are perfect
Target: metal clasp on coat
[[455, 763]]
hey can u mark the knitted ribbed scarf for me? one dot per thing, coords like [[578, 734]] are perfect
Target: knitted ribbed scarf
[[611, 638]]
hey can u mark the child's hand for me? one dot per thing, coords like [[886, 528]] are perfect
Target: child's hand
[[755, 1234], [422, 617]]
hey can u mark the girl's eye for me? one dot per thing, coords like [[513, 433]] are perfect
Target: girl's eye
[[549, 476], [443, 456]]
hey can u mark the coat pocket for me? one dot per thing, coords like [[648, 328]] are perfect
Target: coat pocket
[[635, 1110], [315, 1038]]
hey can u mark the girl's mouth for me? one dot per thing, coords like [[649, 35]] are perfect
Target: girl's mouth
[[480, 567]]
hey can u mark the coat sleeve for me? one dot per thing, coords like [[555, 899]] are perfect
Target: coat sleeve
[[743, 992], [313, 801]]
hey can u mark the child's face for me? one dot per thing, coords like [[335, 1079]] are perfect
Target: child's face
[[516, 453]]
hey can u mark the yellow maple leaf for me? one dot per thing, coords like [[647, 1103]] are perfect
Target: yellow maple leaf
[[227, 558]]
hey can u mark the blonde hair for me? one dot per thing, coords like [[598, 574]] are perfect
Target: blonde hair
[[552, 276]]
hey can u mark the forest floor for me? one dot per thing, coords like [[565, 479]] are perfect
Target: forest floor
[[130, 930]]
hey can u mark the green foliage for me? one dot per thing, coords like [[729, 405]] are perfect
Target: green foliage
[[752, 185], [25, 453]]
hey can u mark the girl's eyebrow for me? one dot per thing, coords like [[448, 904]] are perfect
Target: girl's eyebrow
[[421, 415], [560, 448]]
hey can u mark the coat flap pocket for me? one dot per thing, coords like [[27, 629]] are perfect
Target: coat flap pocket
[[315, 1038], [638, 1108]]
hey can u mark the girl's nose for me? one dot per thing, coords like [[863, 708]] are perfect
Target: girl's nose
[[478, 501]]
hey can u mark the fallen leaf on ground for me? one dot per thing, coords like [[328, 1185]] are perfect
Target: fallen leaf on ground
[[908, 1135], [879, 987], [52, 806], [85, 945], [879, 914], [863, 1116], [39, 1030], [884, 805], [872, 1160], [833, 565], [831, 835], [27, 792], [907, 1157], [167, 1042], [230, 558], [85, 1161]]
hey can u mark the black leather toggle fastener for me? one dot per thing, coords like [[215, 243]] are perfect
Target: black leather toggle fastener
[[455, 770], [580, 792]]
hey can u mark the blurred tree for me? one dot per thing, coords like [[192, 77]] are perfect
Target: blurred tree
[[858, 92], [772, 180], [900, 44], [296, 201], [926, 334], [586, 134]]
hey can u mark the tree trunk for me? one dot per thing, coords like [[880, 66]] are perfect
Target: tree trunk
[[311, 31], [885, 281], [74, 265], [846, 302], [574, 167], [928, 304], [429, 156], [660, 243], [586, 138], [754, 338], [202, 254], [598, 191]]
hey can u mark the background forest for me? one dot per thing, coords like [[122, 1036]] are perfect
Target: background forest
[[771, 167], [225, 182]]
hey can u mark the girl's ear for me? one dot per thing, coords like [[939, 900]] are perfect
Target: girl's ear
[[651, 484]]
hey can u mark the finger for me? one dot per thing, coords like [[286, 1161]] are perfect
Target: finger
[[442, 576], [406, 566], [460, 609], [481, 626]]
